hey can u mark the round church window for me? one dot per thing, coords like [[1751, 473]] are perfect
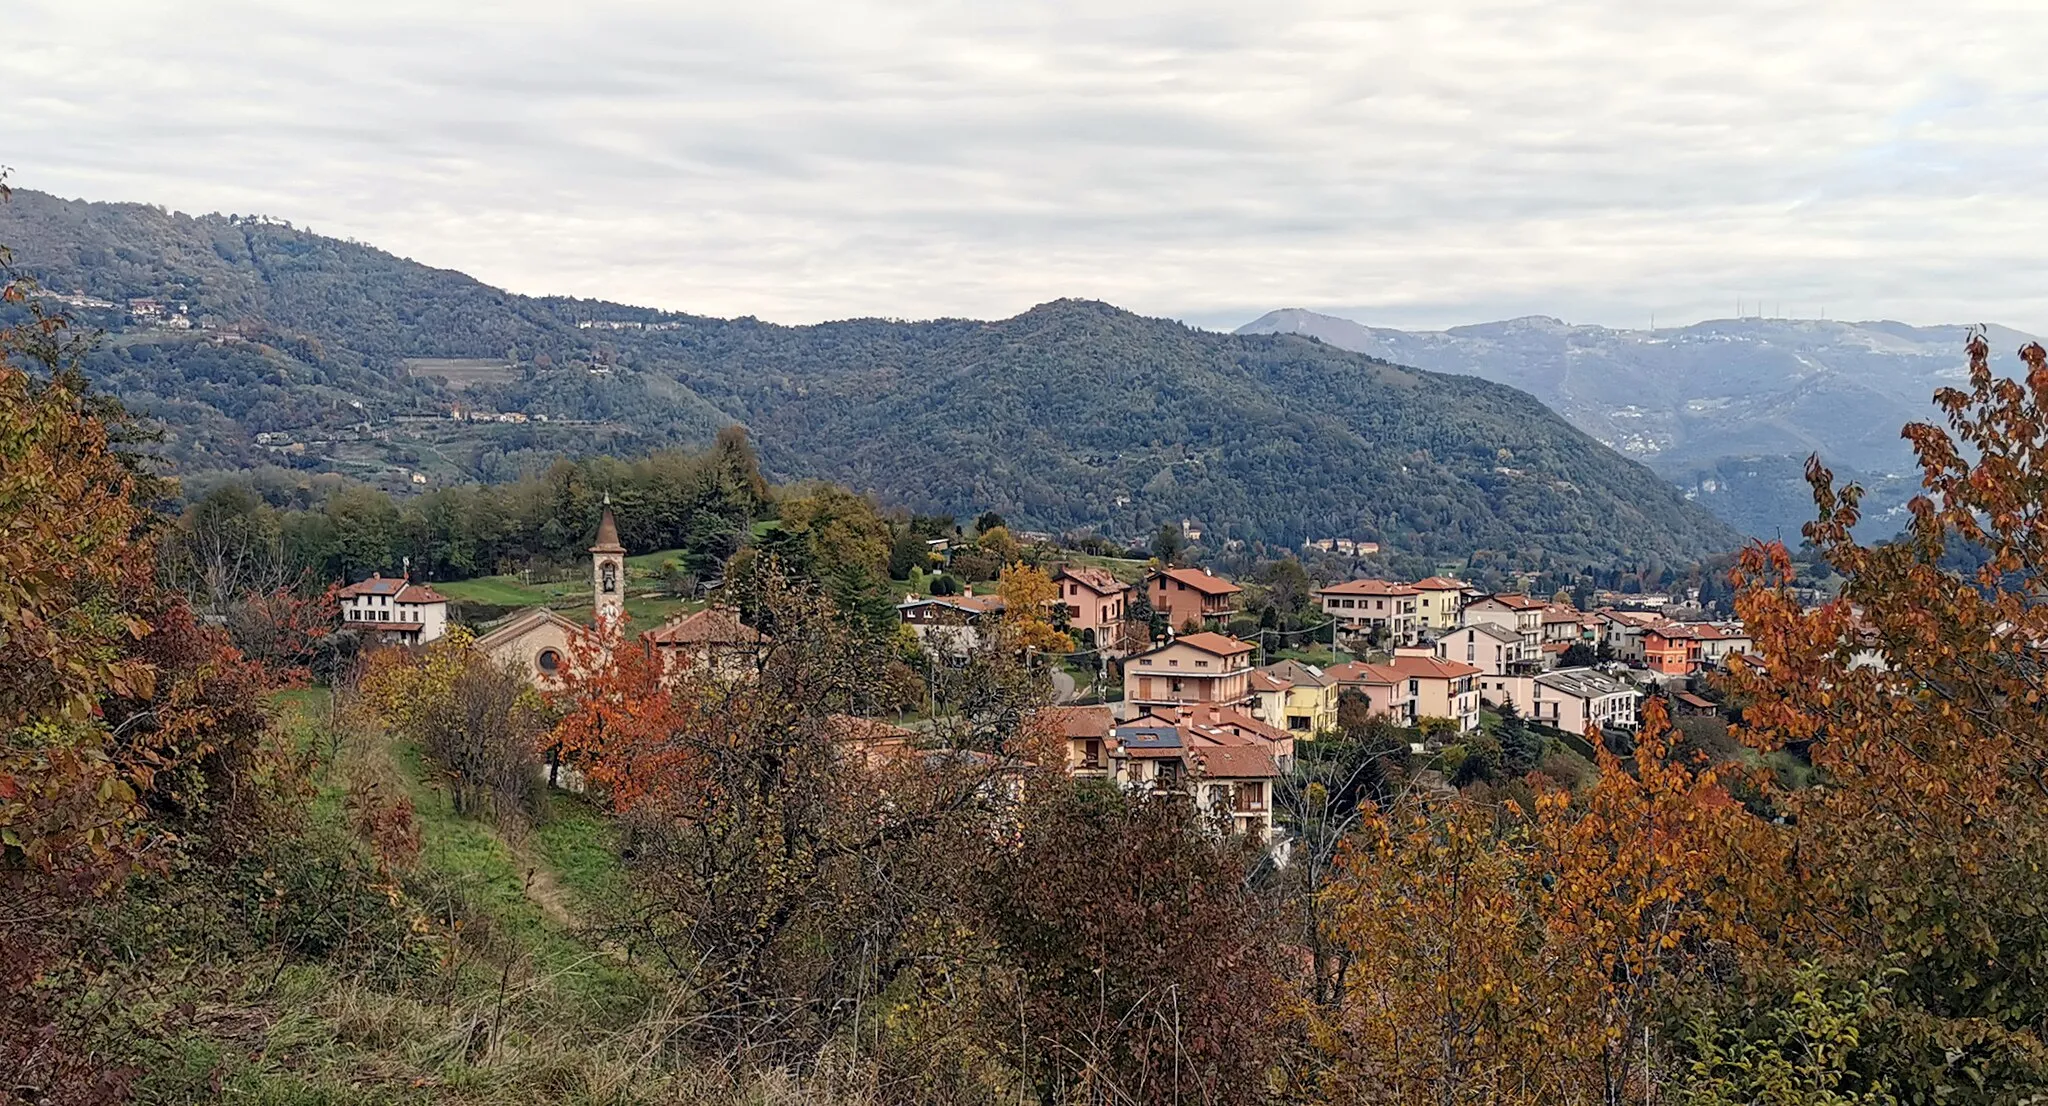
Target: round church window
[[549, 660]]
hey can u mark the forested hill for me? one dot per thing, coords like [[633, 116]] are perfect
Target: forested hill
[[1073, 414]]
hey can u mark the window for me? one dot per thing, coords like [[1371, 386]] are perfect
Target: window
[[1145, 663], [1298, 722], [1091, 753], [1471, 652], [1176, 685], [1169, 772], [1173, 664], [1413, 684], [548, 661], [609, 578], [1201, 664], [1251, 796]]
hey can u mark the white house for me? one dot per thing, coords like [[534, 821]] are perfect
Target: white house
[[1519, 613], [1572, 698], [1495, 652], [395, 609]]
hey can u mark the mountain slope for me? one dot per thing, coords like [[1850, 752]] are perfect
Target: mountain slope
[[1729, 409], [1072, 414]]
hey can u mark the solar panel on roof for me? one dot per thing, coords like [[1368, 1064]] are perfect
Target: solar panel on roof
[[1149, 737]]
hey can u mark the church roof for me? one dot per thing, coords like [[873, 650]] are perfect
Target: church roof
[[607, 532], [710, 626], [520, 624]]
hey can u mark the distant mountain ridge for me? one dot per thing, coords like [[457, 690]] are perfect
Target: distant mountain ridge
[[1073, 414], [1728, 409]]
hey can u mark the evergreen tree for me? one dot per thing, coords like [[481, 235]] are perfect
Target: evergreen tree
[[1521, 747]]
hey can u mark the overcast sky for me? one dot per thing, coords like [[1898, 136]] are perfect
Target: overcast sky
[[1419, 163]]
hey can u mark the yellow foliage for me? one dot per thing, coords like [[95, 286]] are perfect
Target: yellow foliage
[[1028, 594]]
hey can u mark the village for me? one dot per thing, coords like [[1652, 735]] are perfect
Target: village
[[1180, 703]]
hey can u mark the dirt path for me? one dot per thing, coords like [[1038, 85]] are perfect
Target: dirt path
[[545, 891]]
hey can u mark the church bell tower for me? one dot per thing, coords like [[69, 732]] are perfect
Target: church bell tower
[[607, 568]]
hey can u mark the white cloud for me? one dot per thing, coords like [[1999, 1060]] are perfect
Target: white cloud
[[1409, 164]]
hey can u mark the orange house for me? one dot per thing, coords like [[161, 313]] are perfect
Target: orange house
[[1670, 649], [1194, 595]]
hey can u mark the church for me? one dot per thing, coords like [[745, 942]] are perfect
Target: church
[[535, 641]]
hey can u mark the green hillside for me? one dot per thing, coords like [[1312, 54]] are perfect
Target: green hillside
[[1074, 414]]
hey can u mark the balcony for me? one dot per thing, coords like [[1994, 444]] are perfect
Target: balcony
[[370, 624]]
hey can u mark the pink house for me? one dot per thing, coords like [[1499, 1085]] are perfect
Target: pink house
[[1097, 602]]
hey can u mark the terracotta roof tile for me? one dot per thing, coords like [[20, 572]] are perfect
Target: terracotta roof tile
[[1081, 721], [1517, 602], [1368, 587], [710, 626], [374, 585], [1205, 582], [1430, 668], [1236, 762], [1222, 645], [1099, 580], [1266, 681]]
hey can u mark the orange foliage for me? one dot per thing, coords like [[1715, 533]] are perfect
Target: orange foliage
[[1917, 695], [622, 717], [1522, 962]]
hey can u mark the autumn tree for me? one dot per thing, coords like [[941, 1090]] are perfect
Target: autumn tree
[[790, 859], [1647, 877], [1537, 960], [478, 721], [1436, 918], [129, 733], [1917, 696], [1028, 596], [1136, 964], [1336, 784]]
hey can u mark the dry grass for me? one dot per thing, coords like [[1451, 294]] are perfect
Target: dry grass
[[517, 1002]]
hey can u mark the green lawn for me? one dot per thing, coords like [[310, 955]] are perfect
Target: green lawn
[[571, 597], [504, 591], [1320, 656], [649, 564], [1120, 567]]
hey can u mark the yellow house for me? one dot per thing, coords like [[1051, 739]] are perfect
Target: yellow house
[[1304, 702], [1440, 602]]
